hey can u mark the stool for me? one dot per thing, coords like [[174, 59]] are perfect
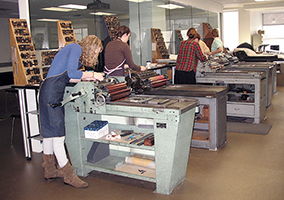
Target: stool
[[14, 91], [14, 117]]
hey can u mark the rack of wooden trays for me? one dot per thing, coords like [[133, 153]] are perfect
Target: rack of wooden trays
[[24, 60], [46, 57], [207, 35], [179, 35], [159, 49], [111, 24], [179, 39], [65, 33]]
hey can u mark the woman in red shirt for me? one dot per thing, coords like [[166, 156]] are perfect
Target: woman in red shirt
[[188, 56]]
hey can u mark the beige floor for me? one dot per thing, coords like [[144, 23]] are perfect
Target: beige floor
[[249, 167]]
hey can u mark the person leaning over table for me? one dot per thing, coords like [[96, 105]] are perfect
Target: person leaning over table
[[205, 50], [118, 53], [217, 45], [203, 46], [63, 69], [188, 56]]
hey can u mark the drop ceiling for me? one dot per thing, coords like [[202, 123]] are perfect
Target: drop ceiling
[[9, 8]]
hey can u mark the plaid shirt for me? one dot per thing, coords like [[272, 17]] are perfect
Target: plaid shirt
[[188, 55]]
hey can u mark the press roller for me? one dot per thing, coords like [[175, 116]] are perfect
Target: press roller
[[144, 81], [90, 95]]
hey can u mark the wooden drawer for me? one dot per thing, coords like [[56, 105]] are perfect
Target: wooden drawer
[[240, 109]]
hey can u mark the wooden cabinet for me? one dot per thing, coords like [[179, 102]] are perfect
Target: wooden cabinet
[[207, 35], [111, 24], [26, 69], [45, 58], [66, 33], [178, 39], [159, 49], [179, 36]]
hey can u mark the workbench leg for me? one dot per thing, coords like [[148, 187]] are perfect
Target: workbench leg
[[172, 145]]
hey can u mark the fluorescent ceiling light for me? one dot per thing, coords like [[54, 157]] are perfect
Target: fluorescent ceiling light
[[74, 6], [101, 13], [48, 20], [170, 6], [58, 9], [138, 1]]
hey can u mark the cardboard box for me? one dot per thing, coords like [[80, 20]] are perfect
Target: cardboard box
[[96, 129]]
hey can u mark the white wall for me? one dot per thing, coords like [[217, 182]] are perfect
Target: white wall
[[255, 22], [244, 26], [230, 29]]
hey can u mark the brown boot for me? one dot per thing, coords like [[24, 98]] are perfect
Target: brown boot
[[70, 178], [50, 171]]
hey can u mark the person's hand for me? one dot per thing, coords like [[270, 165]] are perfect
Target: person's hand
[[72, 80], [143, 68], [92, 76], [126, 66], [99, 76], [88, 79]]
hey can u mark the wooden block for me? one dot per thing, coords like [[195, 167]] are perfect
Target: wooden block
[[149, 141], [169, 74], [205, 111]]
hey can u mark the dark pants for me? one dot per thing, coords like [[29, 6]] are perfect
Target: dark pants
[[183, 77]]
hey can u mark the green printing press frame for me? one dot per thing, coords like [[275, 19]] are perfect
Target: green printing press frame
[[173, 120]]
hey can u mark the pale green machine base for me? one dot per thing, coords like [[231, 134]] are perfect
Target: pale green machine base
[[172, 128]]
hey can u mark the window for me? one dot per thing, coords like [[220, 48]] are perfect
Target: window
[[80, 33], [273, 26]]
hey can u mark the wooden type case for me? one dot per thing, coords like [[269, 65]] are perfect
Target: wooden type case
[[24, 60], [46, 60], [112, 24], [159, 49], [65, 33], [179, 35], [207, 35], [178, 39]]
